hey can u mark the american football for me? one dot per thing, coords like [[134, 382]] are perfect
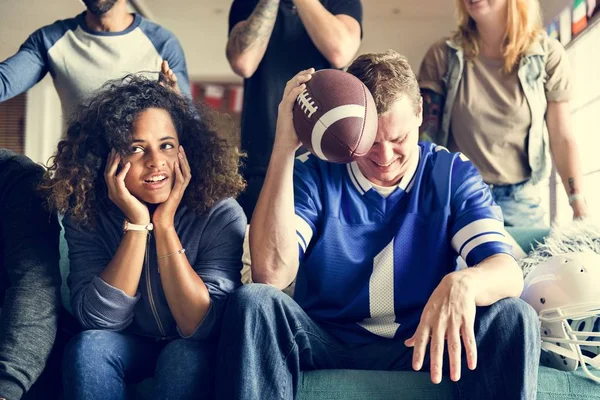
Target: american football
[[335, 117]]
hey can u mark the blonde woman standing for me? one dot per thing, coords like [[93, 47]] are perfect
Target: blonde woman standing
[[498, 91]]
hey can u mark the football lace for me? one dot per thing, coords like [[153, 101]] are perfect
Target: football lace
[[307, 105]]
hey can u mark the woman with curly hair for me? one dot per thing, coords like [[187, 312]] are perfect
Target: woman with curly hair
[[155, 241], [498, 91]]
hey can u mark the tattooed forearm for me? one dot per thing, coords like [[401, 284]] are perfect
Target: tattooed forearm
[[572, 189], [256, 30], [432, 112]]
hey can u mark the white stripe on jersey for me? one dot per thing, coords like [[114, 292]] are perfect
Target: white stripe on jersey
[[407, 181], [362, 183], [490, 237], [304, 232], [475, 228], [353, 179], [381, 295]]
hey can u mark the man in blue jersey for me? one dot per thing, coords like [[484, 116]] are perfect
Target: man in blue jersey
[[81, 53], [372, 246]]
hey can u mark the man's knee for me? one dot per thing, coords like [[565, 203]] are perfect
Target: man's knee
[[517, 314], [255, 296]]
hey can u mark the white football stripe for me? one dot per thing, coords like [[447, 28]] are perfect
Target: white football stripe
[[328, 119]]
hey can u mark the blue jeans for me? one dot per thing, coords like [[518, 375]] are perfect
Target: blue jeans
[[269, 340], [521, 204], [100, 364]]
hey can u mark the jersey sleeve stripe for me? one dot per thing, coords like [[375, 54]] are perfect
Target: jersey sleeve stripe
[[301, 242], [486, 238], [483, 251], [473, 229], [304, 232], [479, 235]]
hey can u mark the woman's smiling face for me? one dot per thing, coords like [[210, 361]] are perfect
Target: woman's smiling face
[[152, 155]]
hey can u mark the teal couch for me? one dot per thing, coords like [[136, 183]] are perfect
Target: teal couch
[[390, 385]]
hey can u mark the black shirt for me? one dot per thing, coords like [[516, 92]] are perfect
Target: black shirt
[[289, 51]]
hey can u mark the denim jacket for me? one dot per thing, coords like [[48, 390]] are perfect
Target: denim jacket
[[532, 75]]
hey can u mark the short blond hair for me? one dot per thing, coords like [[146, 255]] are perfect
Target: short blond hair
[[388, 76], [523, 28]]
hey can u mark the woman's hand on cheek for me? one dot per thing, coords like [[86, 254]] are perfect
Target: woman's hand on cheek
[[135, 211], [164, 216]]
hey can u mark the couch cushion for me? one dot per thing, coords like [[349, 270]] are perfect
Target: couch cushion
[[390, 385], [371, 385], [527, 238]]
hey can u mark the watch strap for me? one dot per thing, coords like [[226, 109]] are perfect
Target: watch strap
[[129, 226]]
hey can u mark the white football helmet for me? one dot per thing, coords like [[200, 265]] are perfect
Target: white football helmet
[[565, 292]]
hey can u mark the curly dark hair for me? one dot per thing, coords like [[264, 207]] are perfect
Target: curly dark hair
[[74, 182]]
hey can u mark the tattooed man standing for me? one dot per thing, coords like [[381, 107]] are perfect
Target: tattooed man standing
[[269, 42]]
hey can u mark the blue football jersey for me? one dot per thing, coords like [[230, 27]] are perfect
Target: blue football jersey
[[369, 263]]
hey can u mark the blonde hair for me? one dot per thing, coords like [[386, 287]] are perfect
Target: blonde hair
[[523, 28], [388, 76]]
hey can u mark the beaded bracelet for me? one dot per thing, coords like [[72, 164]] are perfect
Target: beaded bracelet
[[182, 251]]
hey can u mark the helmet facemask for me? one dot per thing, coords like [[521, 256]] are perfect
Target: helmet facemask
[[565, 291]]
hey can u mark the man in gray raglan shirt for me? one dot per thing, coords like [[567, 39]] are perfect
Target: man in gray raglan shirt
[[82, 53], [29, 276]]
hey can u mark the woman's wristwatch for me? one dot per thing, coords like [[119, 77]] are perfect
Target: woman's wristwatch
[[128, 226]]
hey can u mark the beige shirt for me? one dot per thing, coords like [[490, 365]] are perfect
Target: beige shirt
[[490, 117]]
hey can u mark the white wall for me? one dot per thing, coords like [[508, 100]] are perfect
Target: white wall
[[411, 37], [584, 55], [18, 19], [43, 126], [204, 40]]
